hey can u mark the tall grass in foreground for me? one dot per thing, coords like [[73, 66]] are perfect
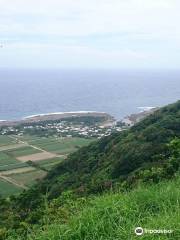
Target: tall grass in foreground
[[114, 216]]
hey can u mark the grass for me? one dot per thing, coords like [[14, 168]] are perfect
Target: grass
[[28, 178], [5, 140], [23, 151], [27, 138], [8, 157], [48, 164], [114, 216], [49, 161], [7, 189], [54, 144], [59, 145], [5, 159], [13, 166]]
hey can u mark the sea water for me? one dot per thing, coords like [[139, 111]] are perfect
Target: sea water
[[31, 92]]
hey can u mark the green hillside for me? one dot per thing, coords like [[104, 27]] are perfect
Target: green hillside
[[116, 215], [113, 215], [105, 190], [120, 157]]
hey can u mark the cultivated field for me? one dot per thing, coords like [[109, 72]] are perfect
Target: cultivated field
[[7, 188], [36, 156], [5, 140], [23, 178], [5, 159], [24, 160]]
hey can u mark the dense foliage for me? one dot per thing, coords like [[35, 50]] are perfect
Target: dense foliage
[[147, 153]]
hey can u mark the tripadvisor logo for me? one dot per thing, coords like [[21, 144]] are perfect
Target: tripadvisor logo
[[140, 231]]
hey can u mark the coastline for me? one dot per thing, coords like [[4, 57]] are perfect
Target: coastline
[[55, 116], [59, 113]]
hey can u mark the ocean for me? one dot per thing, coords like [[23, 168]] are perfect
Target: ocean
[[30, 92]]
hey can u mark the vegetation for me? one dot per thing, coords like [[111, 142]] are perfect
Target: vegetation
[[7, 188], [28, 178], [60, 145], [119, 158], [5, 140], [87, 120], [106, 189], [12, 166], [20, 167], [23, 151], [115, 215], [5, 159]]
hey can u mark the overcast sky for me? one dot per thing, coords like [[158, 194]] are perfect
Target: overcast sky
[[119, 34]]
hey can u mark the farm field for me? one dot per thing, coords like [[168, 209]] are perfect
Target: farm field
[[7, 188], [5, 159], [28, 178], [56, 145], [36, 157], [12, 166], [26, 159], [48, 165], [5, 140], [11, 146], [23, 151]]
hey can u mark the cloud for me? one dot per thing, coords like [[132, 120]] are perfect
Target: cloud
[[104, 27], [84, 17]]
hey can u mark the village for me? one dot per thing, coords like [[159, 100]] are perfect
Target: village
[[63, 129], [84, 126]]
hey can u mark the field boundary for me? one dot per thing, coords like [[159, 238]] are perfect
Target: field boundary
[[10, 180]]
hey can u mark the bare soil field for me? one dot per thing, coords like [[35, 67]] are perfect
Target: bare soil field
[[37, 156]]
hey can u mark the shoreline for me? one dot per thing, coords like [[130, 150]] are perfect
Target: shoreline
[[54, 116], [59, 113]]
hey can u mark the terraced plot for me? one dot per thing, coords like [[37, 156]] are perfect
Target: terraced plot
[[18, 170], [48, 164], [12, 146], [26, 159], [59, 145], [13, 166], [6, 160], [5, 140], [7, 188], [37, 157], [23, 151], [28, 178]]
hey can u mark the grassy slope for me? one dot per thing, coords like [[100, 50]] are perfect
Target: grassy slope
[[111, 160], [116, 215]]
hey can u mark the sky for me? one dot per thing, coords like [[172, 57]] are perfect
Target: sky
[[90, 34]]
